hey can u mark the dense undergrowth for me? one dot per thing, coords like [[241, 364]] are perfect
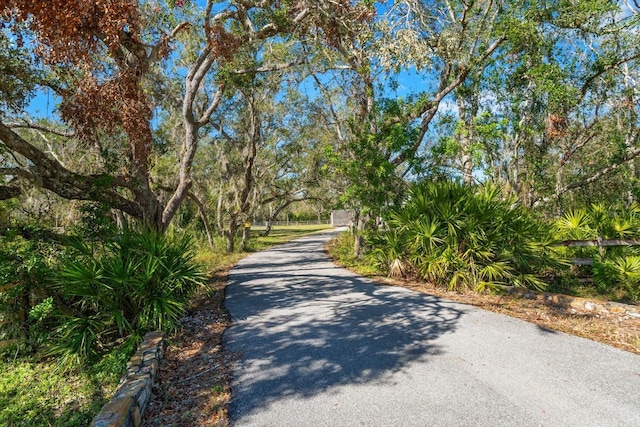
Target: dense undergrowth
[[463, 237]]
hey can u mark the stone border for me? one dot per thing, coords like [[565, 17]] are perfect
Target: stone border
[[576, 304], [130, 400]]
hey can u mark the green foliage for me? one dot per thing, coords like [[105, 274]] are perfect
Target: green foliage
[[598, 220], [137, 282], [341, 249], [365, 162], [628, 274], [95, 222], [465, 237], [389, 251], [28, 257], [615, 270], [574, 225], [604, 276], [17, 76], [38, 394]]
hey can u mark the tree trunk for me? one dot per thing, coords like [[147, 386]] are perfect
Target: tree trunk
[[231, 235], [267, 228], [358, 242], [468, 104], [467, 169], [246, 230], [203, 215], [219, 221], [121, 220], [273, 216]]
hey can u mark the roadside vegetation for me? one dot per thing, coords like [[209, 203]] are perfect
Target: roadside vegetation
[[474, 238], [464, 237], [191, 393], [74, 310]]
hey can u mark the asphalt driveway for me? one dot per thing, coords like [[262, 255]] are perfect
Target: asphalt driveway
[[320, 346]]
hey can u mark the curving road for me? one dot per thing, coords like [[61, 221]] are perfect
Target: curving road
[[320, 346]]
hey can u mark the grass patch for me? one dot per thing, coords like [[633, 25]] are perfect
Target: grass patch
[[38, 394], [281, 234], [213, 260], [341, 250]]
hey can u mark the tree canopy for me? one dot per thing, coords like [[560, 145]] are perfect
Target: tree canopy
[[250, 106]]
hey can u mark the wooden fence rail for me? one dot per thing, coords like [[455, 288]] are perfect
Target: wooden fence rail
[[290, 223], [600, 242]]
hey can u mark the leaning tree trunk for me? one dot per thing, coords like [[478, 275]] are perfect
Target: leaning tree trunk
[[204, 217], [273, 216]]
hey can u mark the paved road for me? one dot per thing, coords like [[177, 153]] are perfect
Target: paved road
[[320, 346]]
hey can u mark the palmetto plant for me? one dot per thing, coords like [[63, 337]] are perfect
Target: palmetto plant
[[576, 225], [139, 281], [389, 252], [615, 268], [628, 270], [598, 220], [466, 237]]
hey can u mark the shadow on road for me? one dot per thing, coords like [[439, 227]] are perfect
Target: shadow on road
[[303, 326]]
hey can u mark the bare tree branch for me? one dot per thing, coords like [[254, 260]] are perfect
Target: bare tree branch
[[430, 108], [213, 106], [631, 155], [40, 128], [271, 67]]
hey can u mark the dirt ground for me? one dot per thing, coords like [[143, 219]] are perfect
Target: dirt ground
[[192, 387]]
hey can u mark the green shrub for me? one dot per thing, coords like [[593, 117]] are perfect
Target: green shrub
[[605, 276], [388, 252], [628, 274], [25, 274], [341, 248], [615, 269], [118, 290], [466, 237]]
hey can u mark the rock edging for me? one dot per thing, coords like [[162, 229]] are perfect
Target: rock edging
[[130, 400], [578, 304]]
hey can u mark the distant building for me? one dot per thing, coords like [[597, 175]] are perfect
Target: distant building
[[342, 218]]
